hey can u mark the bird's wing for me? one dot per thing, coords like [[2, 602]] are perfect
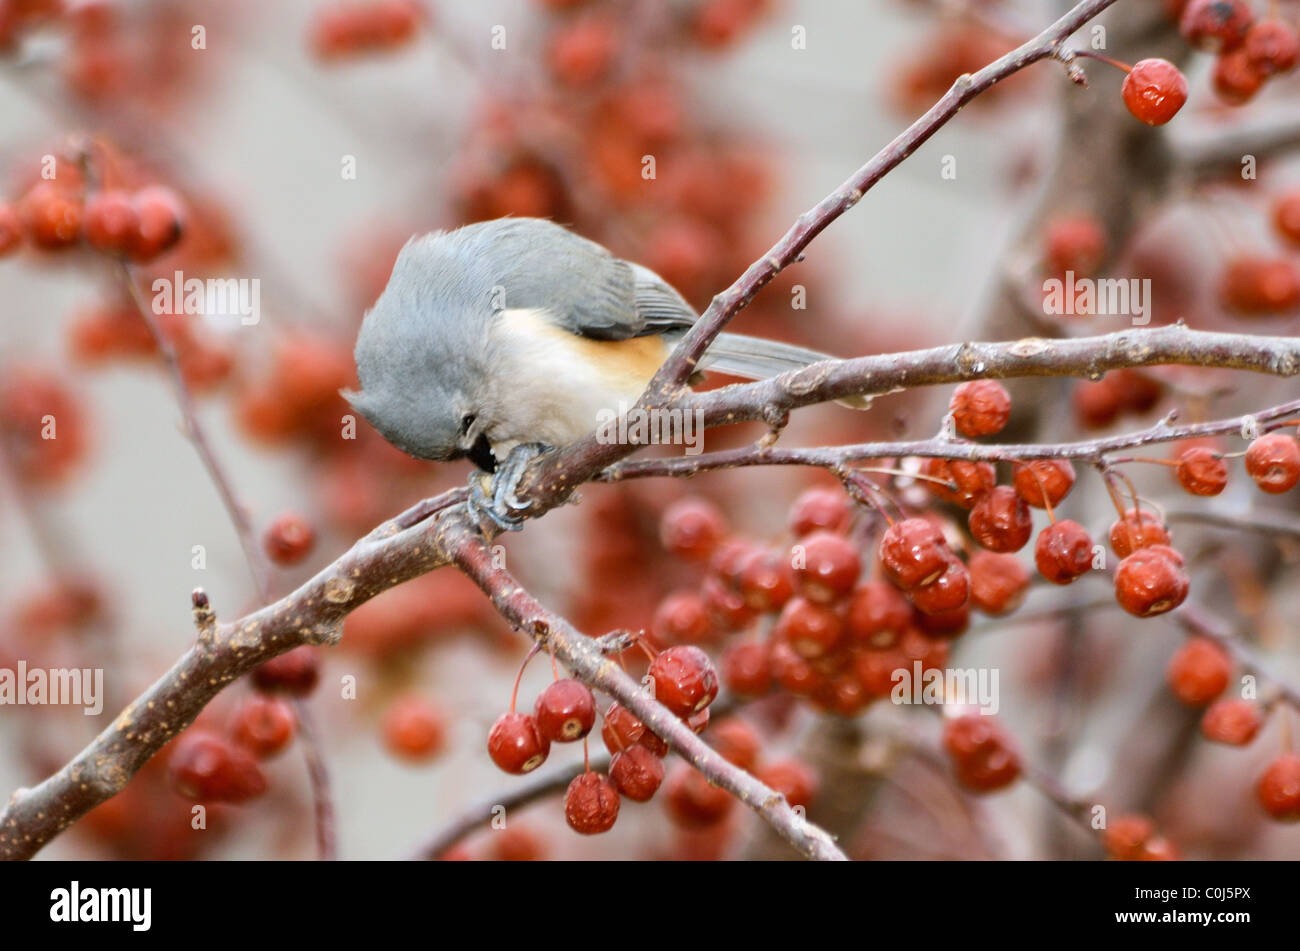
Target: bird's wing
[[576, 283], [579, 285], [660, 306]]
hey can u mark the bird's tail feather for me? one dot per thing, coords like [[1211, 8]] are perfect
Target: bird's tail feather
[[757, 359]]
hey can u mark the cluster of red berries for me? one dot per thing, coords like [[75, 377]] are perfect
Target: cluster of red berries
[[1266, 283], [31, 402], [211, 766], [983, 756], [682, 679], [54, 216], [1199, 673], [1249, 50], [1133, 838], [208, 765]]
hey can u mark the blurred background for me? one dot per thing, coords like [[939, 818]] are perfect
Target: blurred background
[[300, 144]]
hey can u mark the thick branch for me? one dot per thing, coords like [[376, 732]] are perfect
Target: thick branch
[[1032, 356]]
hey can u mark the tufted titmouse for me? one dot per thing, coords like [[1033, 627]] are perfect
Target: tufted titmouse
[[518, 332]]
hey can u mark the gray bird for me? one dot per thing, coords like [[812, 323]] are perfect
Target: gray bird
[[515, 334]]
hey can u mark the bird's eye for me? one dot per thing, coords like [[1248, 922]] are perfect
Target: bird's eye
[[466, 422]]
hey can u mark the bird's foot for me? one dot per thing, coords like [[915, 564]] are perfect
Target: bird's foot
[[497, 501]]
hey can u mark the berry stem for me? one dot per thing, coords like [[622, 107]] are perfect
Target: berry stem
[[514, 694], [1124, 67]]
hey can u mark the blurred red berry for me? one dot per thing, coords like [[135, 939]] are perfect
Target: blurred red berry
[[207, 767], [289, 539], [1278, 788], [295, 672], [1199, 671], [264, 725], [818, 510], [414, 728], [1232, 721], [692, 528]]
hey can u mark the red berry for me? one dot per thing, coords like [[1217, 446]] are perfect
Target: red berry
[[983, 755], [583, 51], [295, 672], [736, 742], [1074, 244], [729, 558], [1137, 529], [1273, 461], [684, 678], [51, 216], [826, 567], [1279, 788], [161, 216], [621, 730], [745, 669], [1126, 836], [813, 630], [289, 539], [1096, 404], [11, 229], [766, 581], [948, 592], [725, 606], [792, 779], [997, 582], [1254, 285], [793, 672], [877, 614], [698, 722], [1232, 721], [1052, 478], [1286, 216], [693, 802], [913, 553], [637, 773], [1272, 47], [1001, 521], [820, 510], [980, 408], [1149, 582], [692, 528], [1063, 552], [565, 711], [1214, 25], [1236, 78], [1199, 671], [972, 480], [516, 744], [1202, 471], [110, 221], [591, 804], [414, 729], [517, 843], [1154, 91], [681, 618], [264, 725], [208, 768]]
